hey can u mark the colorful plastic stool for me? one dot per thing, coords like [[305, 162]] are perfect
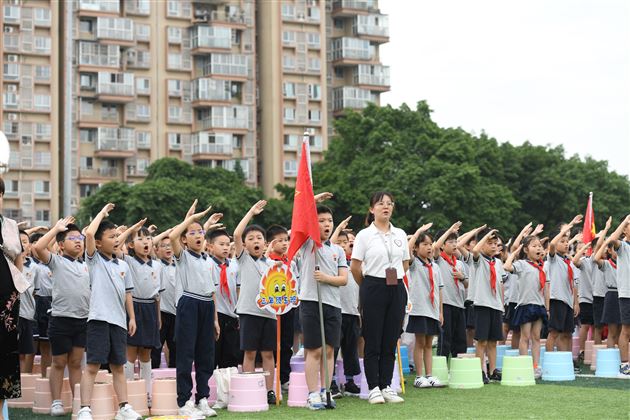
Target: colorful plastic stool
[[596, 348], [27, 382], [298, 390], [466, 373], [164, 402], [588, 351], [558, 366], [575, 347], [518, 371], [511, 352], [404, 359], [297, 364], [163, 373], [500, 353], [470, 350], [103, 403], [248, 393], [440, 369], [137, 396], [608, 361]]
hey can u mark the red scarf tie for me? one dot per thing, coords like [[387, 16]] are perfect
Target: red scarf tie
[[452, 261], [493, 276], [567, 261], [223, 282], [429, 267], [542, 277], [278, 257], [613, 263]]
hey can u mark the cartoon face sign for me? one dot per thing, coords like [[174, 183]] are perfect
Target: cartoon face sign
[[277, 290]]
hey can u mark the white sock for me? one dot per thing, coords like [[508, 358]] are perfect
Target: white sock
[[145, 373], [129, 371]]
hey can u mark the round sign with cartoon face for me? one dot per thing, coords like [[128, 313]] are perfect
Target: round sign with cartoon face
[[277, 290]]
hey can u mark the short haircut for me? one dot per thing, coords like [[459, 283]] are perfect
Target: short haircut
[[1, 186], [35, 237], [484, 232], [105, 225], [23, 232], [143, 231], [61, 236], [324, 210], [252, 228], [213, 235], [343, 234], [183, 235], [451, 236], [422, 237], [275, 230]]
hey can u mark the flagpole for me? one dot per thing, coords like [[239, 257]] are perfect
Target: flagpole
[[277, 373]]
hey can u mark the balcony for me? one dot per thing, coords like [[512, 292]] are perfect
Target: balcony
[[115, 143], [206, 91], [205, 39], [370, 77], [350, 97], [138, 7], [236, 117], [232, 66], [11, 14], [374, 27], [352, 51], [204, 148], [98, 173], [138, 113], [98, 7], [235, 18], [42, 161], [115, 87], [91, 116], [347, 8], [179, 115], [116, 30]]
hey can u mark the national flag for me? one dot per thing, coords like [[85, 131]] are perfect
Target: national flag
[[588, 232]]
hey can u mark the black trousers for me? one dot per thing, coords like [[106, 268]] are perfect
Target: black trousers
[[383, 314], [167, 334], [452, 341], [350, 332], [227, 352], [194, 334], [287, 330]]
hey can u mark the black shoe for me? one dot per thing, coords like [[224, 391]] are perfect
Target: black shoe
[[334, 390], [496, 375], [351, 389], [580, 358], [486, 381], [271, 398]]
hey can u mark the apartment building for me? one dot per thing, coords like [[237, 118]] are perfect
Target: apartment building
[[218, 83]]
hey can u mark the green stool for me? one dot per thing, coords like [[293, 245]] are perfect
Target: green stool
[[466, 373], [440, 369], [518, 371]]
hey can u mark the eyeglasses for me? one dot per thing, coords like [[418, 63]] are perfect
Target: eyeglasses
[[75, 238], [166, 246], [385, 203], [195, 232]]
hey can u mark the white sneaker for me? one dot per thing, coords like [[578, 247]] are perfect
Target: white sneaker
[[375, 396], [205, 409], [421, 382], [537, 373], [126, 413], [149, 401], [435, 382], [189, 410], [84, 414], [285, 387], [56, 409], [390, 396]]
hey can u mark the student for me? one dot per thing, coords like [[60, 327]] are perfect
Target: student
[[278, 239], [168, 300], [145, 274], [526, 262], [487, 298], [563, 304], [257, 326], [606, 260], [622, 247], [110, 298], [227, 282], [380, 259], [452, 340], [196, 323], [26, 322], [43, 302], [350, 318], [327, 266], [425, 293], [70, 304]]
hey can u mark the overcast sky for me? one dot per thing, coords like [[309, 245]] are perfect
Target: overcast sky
[[548, 71]]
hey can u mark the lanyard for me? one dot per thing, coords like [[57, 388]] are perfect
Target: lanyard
[[389, 249]]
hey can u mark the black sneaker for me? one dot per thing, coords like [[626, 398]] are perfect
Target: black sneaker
[[496, 376], [271, 398], [334, 390], [351, 389], [486, 381], [580, 358]]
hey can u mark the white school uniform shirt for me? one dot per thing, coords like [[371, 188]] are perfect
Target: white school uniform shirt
[[623, 269], [43, 279], [226, 305], [146, 278], [70, 287], [585, 289], [330, 258], [511, 288], [558, 275], [528, 279], [171, 287], [453, 291], [349, 296], [110, 281], [420, 289], [27, 300], [371, 246], [251, 272], [467, 268], [195, 274], [599, 283], [483, 295], [611, 276]]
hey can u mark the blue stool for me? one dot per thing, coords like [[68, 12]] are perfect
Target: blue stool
[[470, 350], [404, 359], [608, 361], [500, 353], [542, 356], [5, 410], [558, 366], [511, 352]]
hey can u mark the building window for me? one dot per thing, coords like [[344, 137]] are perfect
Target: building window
[[85, 190], [314, 92], [288, 11], [42, 187], [87, 162], [87, 135], [289, 114], [314, 115], [42, 215], [174, 141], [288, 90]]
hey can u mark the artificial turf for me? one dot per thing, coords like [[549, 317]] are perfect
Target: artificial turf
[[584, 398]]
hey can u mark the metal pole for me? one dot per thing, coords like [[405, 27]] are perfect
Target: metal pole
[[67, 129]]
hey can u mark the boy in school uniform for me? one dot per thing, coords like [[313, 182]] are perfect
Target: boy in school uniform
[[26, 346], [70, 305], [563, 303], [257, 326], [43, 302], [620, 240], [168, 299], [327, 266], [196, 323], [110, 306], [227, 282]]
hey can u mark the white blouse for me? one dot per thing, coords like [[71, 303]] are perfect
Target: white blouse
[[374, 248]]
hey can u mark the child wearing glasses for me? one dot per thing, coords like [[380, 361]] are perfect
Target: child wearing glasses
[[70, 304]]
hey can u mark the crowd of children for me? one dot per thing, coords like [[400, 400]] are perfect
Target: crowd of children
[[120, 294]]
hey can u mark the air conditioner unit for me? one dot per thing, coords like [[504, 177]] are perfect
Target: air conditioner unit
[[12, 58], [8, 29], [12, 117], [12, 88]]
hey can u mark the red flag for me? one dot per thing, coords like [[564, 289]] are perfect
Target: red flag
[[588, 232], [304, 223]]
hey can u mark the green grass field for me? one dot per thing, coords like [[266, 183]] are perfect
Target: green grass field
[[584, 398]]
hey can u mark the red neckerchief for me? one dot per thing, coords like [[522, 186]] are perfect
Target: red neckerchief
[[613, 263], [278, 257], [452, 261], [542, 277], [567, 261], [429, 267], [223, 281], [493, 275]]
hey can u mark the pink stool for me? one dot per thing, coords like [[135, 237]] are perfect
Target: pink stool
[[103, 376], [248, 393], [42, 398], [588, 351], [164, 402], [576, 347], [137, 396], [103, 403], [28, 392], [163, 373], [297, 364], [212, 397], [298, 390], [341, 377]]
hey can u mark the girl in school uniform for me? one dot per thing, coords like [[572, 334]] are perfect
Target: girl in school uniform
[[425, 294], [533, 297], [606, 260]]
